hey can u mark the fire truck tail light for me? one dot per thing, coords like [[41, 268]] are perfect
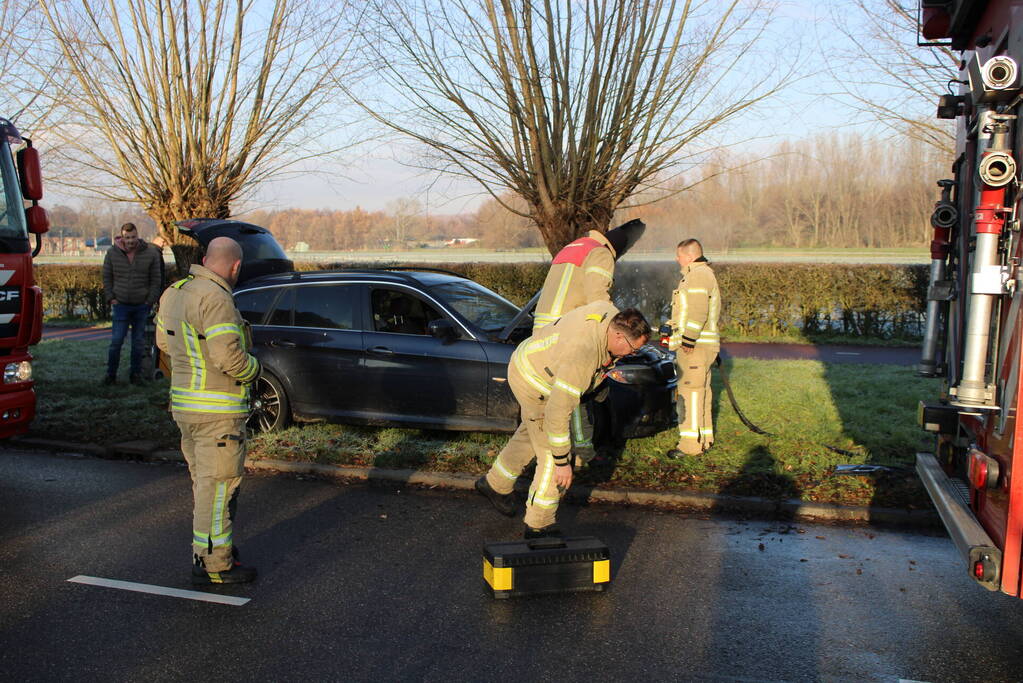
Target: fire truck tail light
[[984, 471]]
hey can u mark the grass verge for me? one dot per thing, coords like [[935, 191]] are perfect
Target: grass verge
[[867, 410]]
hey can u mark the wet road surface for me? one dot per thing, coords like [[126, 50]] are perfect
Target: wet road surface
[[365, 583]]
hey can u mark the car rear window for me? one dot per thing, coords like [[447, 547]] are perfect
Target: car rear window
[[254, 304], [326, 306]]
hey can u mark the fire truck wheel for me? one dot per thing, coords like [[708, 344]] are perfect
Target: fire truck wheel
[[271, 409]]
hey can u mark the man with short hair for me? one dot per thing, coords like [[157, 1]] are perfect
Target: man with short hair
[[208, 343], [132, 280], [695, 308], [548, 374]]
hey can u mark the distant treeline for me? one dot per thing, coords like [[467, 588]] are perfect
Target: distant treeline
[[829, 191]]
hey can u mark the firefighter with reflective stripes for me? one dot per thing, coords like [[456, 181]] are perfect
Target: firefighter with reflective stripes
[[207, 343], [582, 273], [548, 374], [695, 308]]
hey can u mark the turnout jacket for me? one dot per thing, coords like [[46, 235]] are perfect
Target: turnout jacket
[[580, 274], [134, 282], [695, 308], [561, 362], [208, 343]]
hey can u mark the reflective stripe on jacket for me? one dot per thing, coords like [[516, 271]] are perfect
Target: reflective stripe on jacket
[[580, 274], [207, 342], [695, 309], [561, 362]]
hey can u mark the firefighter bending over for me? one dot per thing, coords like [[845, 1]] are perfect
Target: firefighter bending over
[[548, 373], [581, 273], [695, 307], [207, 343]]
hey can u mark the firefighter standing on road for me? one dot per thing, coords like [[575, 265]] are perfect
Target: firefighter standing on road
[[207, 342], [695, 307], [582, 273], [548, 373]]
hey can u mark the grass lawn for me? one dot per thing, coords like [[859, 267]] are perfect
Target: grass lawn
[[869, 410]]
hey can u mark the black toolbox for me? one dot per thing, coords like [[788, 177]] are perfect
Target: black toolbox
[[546, 565]]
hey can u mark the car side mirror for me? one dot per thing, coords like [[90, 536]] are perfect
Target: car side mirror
[[442, 329]]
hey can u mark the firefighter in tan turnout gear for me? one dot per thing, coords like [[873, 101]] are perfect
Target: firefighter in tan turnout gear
[[695, 307], [582, 273], [207, 343], [548, 373]]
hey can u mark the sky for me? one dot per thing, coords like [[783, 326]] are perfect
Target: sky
[[374, 179]]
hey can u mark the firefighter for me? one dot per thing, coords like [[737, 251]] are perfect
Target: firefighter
[[207, 342], [548, 373], [581, 273], [695, 307]]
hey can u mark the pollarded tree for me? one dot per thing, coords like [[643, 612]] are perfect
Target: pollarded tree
[[184, 106], [573, 106]]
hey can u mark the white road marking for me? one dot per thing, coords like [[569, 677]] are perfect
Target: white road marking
[[848, 353], [159, 590]]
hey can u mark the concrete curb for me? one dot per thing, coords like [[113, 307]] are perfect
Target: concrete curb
[[687, 500]]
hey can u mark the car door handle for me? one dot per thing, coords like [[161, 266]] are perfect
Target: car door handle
[[284, 343], [380, 351]]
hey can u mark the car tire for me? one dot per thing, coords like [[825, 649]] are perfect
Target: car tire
[[271, 410]]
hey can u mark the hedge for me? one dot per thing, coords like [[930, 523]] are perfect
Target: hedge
[[759, 300]]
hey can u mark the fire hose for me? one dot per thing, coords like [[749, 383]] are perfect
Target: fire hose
[[749, 424]]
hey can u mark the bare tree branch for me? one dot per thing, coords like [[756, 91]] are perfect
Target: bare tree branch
[[572, 106], [184, 106]]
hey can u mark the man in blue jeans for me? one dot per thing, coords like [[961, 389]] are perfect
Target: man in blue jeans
[[132, 282]]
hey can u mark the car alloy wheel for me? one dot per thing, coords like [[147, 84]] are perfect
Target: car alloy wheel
[[270, 408]]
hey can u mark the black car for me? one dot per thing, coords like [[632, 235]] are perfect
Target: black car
[[416, 348]]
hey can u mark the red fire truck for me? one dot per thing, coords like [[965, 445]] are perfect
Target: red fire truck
[[21, 302], [974, 333]]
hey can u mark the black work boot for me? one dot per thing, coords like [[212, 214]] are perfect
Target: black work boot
[[504, 502], [544, 532], [238, 573]]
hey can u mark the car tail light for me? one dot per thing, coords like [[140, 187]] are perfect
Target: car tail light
[[984, 471]]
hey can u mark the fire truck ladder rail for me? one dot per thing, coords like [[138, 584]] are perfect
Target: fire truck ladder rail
[[970, 539]]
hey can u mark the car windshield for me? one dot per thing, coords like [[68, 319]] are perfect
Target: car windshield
[[12, 210], [477, 304]]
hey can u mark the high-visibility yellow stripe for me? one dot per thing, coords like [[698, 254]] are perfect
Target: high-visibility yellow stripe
[[568, 388], [600, 271], [559, 298], [504, 471], [693, 325], [601, 571], [557, 440], [226, 328], [219, 501], [196, 361]]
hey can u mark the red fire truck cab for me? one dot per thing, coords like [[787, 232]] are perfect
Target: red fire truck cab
[[21, 302]]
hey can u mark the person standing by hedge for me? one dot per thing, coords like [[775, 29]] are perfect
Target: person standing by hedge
[[132, 282], [695, 307]]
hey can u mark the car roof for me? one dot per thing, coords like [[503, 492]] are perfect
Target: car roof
[[425, 278]]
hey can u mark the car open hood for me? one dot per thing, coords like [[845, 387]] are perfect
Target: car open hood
[[261, 254]]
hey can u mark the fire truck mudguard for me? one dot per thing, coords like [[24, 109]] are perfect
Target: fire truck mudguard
[[983, 559]]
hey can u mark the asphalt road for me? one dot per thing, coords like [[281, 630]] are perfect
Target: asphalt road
[[365, 583], [826, 353]]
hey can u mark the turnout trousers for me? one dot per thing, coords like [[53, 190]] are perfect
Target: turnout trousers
[[694, 399], [528, 442], [215, 452]]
